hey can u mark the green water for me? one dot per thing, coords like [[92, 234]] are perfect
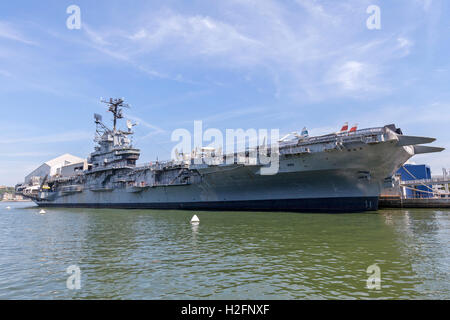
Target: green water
[[151, 254]]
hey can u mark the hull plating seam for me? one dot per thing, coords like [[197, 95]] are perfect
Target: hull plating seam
[[350, 204]]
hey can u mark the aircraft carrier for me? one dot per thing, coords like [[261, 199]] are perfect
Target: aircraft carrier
[[339, 172]]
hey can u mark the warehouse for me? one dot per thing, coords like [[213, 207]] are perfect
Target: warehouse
[[52, 167]]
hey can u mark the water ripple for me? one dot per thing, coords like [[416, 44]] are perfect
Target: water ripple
[[146, 254]]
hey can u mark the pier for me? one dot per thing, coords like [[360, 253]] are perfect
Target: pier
[[386, 202], [435, 197]]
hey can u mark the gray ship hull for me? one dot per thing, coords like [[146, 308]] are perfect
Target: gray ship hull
[[341, 172], [305, 183], [328, 205]]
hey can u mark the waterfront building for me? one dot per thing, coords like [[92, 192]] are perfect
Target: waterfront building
[[416, 172], [52, 167]]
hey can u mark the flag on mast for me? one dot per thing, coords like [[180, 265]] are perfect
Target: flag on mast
[[354, 128]]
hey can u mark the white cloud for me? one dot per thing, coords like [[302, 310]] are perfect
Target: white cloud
[[54, 138], [7, 31], [232, 114], [191, 35], [95, 37], [354, 76], [404, 45], [139, 121], [318, 12], [23, 154], [298, 46]]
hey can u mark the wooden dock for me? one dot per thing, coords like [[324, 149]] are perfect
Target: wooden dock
[[397, 202]]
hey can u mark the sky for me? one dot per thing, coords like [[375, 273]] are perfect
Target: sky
[[232, 64]]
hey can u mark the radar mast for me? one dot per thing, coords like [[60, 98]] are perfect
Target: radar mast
[[115, 106]]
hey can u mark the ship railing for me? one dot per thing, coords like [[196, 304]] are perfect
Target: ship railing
[[161, 165], [362, 135], [336, 137], [65, 179], [126, 151], [116, 148], [121, 166], [376, 130], [432, 181]]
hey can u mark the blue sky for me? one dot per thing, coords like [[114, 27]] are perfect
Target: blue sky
[[233, 64]]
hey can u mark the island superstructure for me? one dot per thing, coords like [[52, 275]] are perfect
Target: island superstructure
[[338, 172]]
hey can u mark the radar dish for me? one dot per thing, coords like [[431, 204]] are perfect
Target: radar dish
[[97, 117]]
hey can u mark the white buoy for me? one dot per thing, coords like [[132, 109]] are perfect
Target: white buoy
[[42, 211], [195, 220], [8, 208]]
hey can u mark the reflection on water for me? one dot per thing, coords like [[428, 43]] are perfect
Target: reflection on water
[[150, 254]]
